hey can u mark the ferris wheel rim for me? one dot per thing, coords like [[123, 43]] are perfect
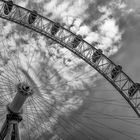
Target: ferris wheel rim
[[135, 108]]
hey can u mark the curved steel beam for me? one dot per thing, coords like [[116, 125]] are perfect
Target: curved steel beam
[[84, 50]]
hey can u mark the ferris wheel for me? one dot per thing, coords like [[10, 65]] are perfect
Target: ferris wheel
[[27, 110]]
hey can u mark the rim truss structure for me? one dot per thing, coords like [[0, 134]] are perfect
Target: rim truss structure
[[94, 57]]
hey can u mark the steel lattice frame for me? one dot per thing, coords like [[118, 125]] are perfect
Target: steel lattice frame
[[84, 50]]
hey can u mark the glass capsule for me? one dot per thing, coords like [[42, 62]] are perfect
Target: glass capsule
[[115, 71], [32, 17], [8, 7], [55, 28], [76, 41], [133, 89], [97, 55]]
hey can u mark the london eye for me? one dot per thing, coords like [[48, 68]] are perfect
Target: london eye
[[35, 87]]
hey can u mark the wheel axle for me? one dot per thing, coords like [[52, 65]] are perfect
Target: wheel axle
[[10, 130]]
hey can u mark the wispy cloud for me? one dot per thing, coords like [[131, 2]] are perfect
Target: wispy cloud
[[63, 66]]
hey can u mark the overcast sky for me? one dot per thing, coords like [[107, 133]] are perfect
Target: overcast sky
[[97, 109]]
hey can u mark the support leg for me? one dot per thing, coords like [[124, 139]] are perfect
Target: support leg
[[10, 130]]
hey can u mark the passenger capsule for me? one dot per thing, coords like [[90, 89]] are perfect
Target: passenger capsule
[[115, 71], [8, 7], [97, 55], [133, 89], [55, 28], [76, 41], [32, 17]]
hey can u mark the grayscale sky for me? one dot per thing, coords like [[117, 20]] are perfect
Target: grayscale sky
[[92, 105]]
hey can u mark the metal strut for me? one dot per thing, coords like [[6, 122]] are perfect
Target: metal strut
[[10, 128]]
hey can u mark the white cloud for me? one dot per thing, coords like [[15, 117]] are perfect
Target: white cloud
[[23, 3], [58, 66]]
